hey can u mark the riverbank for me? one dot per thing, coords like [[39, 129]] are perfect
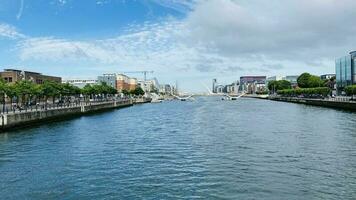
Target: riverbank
[[27, 118], [330, 103]]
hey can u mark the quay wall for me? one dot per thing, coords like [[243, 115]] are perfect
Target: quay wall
[[20, 119], [347, 105]]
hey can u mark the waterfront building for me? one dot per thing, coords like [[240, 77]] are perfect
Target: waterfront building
[[253, 84], [253, 79], [215, 82], [292, 79], [165, 89], [124, 82], [149, 85], [345, 71], [80, 83], [232, 88], [274, 78], [14, 75], [109, 79], [327, 76], [132, 83], [219, 88]]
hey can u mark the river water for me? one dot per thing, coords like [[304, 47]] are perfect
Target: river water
[[207, 149]]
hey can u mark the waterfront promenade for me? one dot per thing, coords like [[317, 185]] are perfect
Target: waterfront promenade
[[339, 102], [39, 114]]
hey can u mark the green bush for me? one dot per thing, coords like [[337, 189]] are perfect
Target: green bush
[[308, 92], [350, 90]]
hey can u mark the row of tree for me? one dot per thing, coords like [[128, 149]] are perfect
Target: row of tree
[[136, 92], [26, 92], [306, 92], [308, 85]]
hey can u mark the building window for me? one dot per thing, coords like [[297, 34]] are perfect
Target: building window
[[8, 79]]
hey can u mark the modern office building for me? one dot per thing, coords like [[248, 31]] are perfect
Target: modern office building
[[81, 82], [109, 79], [345, 71], [14, 75]]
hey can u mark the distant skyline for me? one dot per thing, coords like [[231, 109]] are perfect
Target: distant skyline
[[191, 41]]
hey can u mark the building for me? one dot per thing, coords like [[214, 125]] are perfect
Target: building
[[291, 78], [327, 76], [149, 85], [253, 84], [219, 88], [215, 82], [132, 83], [80, 83], [109, 79], [253, 79], [345, 71], [124, 82], [14, 75], [275, 78]]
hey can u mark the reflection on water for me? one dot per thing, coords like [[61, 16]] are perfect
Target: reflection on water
[[207, 149]]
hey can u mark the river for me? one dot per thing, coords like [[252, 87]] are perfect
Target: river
[[206, 149]]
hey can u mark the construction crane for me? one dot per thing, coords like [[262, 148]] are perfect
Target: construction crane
[[141, 72]]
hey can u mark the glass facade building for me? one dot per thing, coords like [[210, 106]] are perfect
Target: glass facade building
[[345, 70]]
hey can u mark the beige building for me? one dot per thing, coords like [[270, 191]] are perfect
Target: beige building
[[124, 82]]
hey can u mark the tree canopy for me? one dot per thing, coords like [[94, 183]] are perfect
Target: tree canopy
[[279, 85], [307, 80]]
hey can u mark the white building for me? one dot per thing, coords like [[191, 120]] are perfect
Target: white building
[[81, 82]]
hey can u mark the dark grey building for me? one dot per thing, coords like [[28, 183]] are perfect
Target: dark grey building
[[214, 85], [345, 71]]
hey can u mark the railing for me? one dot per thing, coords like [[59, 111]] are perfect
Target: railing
[[56, 106], [333, 99]]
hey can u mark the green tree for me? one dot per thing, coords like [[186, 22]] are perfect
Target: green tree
[[315, 81], [303, 80], [3, 88], [125, 92], [51, 89], [279, 85], [138, 91], [284, 84], [10, 91], [307, 80], [350, 90], [25, 90]]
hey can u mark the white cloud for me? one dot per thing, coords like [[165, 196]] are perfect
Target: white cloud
[[182, 6], [19, 13], [218, 37], [275, 29], [10, 32]]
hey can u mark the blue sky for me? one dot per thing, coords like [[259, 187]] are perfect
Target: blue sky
[[189, 41]]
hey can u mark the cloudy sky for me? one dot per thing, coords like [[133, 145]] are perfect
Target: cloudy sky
[[189, 41]]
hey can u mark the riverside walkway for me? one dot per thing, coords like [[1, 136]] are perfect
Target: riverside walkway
[[35, 114]]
